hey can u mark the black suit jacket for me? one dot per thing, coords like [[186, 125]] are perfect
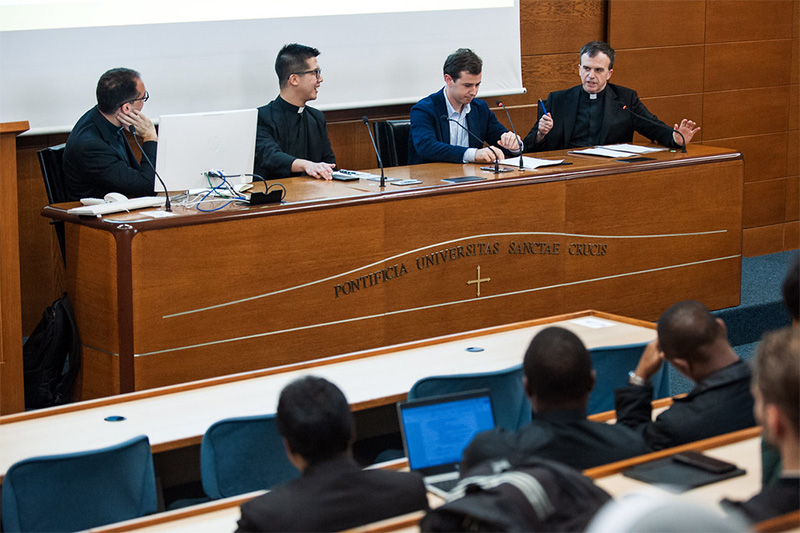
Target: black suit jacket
[[93, 165], [332, 496], [564, 436], [618, 124], [274, 151], [773, 501], [719, 404]]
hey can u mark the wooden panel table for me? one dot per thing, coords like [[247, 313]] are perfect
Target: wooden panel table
[[345, 266], [178, 416]]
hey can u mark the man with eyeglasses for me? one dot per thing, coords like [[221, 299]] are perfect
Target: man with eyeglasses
[[292, 138], [97, 157], [597, 112]]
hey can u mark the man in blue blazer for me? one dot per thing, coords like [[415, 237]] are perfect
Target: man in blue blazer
[[439, 122], [597, 112]]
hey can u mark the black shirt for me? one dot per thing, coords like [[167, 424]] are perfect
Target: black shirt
[[286, 132], [98, 160]]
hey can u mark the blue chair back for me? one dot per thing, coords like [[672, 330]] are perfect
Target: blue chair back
[[509, 403], [243, 454], [611, 365], [77, 491]]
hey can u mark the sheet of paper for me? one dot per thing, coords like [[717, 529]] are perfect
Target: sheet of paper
[[634, 149], [602, 152], [530, 163], [592, 322]]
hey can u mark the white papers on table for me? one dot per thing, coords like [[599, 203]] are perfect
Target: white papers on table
[[602, 152], [530, 163], [634, 148], [617, 151]]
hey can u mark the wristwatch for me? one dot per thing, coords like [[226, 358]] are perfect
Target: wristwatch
[[636, 381]]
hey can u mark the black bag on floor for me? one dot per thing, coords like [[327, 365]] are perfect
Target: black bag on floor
[[534, 495], [51, 357]]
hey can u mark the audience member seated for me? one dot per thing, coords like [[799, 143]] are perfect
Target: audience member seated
[[696, 344], [776, 390], [558, 379], [333, 493], [653, 510]]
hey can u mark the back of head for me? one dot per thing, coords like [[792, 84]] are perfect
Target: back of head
[[689, 331], [115, 87], [558, 367], [598, 47], [791, 289], [776, 372], [291, 60], [314, 418], [462, 60]]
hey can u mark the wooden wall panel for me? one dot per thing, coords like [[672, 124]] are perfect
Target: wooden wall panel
[[543, 25], [42, 275], [791, 236], [762, 240], [764, 155], [671, 109], [793, 153], [792, 209], [661, 71], [637, 24], [547, 73], [764, 203], [732, 66], [746, 20], [741, 113]]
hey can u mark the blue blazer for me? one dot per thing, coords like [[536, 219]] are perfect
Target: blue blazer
[[430, 133]]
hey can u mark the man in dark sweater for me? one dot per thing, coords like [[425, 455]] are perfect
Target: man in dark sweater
[[558, 380], [292, 138], [333, 493], [696, 344]]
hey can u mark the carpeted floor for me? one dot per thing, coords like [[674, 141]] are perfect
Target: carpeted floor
[[761, 308]]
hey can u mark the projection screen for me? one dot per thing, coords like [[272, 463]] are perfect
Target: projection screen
[[209, 55]]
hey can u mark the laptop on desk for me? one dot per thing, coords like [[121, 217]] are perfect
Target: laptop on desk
[[436, 430]]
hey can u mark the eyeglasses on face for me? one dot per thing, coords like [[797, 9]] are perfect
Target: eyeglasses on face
[[316, 72]]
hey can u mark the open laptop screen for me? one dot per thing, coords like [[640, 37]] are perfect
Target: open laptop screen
[[436, 430]]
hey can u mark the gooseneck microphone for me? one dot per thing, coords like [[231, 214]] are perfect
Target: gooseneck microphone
[[496, 160], [167, 205], [521, 148], [657, 123], [365, 120]]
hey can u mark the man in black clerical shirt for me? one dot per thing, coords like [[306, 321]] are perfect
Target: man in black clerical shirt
[[597, 112], [291, 138], [98, 158]]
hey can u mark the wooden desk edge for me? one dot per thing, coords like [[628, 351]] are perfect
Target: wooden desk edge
[[779, 523], [193, 385], [700, 445]]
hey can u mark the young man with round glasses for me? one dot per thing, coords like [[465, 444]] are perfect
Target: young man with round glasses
[[292, 138]]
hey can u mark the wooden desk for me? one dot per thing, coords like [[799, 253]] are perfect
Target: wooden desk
[[742, 448], [347, 266], [178, 416]]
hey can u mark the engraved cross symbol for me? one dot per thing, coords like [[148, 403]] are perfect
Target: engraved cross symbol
[[477, 282]]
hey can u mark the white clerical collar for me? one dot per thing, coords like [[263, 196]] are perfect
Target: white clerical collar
[[301, 109], [592, 96]]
